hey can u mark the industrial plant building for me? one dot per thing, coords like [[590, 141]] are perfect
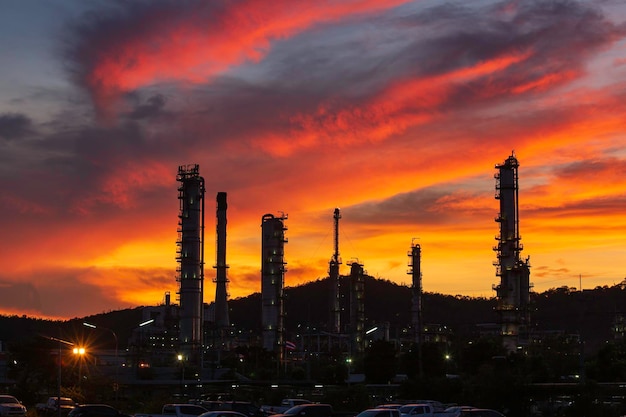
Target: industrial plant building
[[201, 333]]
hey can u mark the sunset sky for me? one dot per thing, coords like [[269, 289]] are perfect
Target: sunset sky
[[394, 111]]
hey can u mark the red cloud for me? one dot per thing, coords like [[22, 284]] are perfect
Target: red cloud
[[196, 43]]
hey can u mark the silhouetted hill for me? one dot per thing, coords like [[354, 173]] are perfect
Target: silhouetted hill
[[593, 313], [385, 302], [18, 328]]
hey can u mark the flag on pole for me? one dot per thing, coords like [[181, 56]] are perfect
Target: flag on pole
[[290, 345]]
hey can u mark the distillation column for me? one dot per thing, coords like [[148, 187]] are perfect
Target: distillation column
[[415, 259], [415, 270], [357, 306], [272, 281], [333, 275], [222, 320], [190, 256], [513, 292]]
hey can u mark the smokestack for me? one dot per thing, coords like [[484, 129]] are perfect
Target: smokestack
[[221, 297]]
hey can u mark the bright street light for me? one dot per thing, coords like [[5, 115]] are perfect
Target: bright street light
[[181, 359], [80, 351], [372, 330]]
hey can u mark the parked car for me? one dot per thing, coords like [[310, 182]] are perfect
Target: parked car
[[246, 408], [285, 405], [422, 410], [222, 413], [176, 410], [11, 407], [95, 410], [481, 412], [456, 410], [51, 407], [379, 412], [308, 410]]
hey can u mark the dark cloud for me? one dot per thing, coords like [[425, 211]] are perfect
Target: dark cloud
[[595, 210], [150, 109], [425, 206], [603, 170], [559, 36], [54, 293], [19, 295], [15, 126], [100, 33]]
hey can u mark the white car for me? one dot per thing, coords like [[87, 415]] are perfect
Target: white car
[[11, 407]]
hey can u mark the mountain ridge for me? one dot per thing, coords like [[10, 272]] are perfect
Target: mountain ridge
[[594, 314]]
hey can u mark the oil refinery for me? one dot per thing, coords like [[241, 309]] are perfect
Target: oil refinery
[[201, 334]]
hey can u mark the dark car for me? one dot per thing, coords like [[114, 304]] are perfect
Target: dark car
[[95, 410], [222, 413], [379, 412], [481, 412], [243, 407], [308, 410]]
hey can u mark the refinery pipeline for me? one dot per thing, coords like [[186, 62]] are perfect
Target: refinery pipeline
[[202, 333]]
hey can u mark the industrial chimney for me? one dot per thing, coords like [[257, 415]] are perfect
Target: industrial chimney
[[222, 320]]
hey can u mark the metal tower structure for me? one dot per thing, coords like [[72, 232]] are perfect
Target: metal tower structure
[[333, 275], [190, 256], [513, 292], [415, 270], [222, 320], [272, 281], [357, 306]]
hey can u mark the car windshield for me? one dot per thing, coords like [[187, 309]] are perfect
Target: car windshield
[[294, 410], [373, 413], [8, 400]]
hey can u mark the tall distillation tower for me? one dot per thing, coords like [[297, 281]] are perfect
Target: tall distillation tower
[[513, 292], [333, 275], [415, 270], [190, 256], [357, 307], [222, 320], [272, 281]]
